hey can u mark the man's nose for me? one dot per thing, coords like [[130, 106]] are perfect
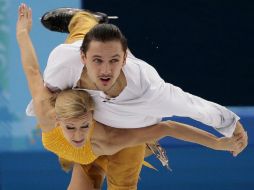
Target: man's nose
[[106, 69]]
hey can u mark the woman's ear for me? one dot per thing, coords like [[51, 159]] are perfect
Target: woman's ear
[[58, 121]]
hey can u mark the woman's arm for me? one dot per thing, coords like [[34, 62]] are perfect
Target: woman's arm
[[121, 138], [40, 94]]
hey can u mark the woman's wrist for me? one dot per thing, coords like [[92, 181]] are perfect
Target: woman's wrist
[[217, 144], [22, 34]]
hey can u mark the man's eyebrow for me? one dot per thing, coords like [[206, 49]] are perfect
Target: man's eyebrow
[[116, 55], [96, 56]]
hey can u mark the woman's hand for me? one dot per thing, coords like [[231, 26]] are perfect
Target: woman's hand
[[24, 22], [233, 143], [240, 130]]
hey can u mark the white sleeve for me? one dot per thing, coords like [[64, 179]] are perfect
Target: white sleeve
[[166, 100], [58, 78], [63, 68]]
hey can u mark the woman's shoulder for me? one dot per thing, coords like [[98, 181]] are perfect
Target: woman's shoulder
[[100, 139], [108, 140], [47, 129]]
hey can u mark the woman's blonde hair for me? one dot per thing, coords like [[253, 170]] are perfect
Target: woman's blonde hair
[[72, 103]]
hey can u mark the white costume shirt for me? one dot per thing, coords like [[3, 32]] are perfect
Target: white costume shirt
[[144, 101]]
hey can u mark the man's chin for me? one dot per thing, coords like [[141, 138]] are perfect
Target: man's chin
[[104, 87]]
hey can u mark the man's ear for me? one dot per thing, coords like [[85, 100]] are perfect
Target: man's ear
[[124, 59], [83, 57]]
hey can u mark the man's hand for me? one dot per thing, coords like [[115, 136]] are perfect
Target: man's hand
[[239, 131]]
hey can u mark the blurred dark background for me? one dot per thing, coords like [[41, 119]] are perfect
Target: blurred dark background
[[203, 46]]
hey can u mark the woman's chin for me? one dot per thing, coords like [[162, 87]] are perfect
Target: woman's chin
[[78, 144]]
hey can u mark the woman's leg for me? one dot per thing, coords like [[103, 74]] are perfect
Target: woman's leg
[[79, 179], [86, 177], [79, 25], [124, 168]]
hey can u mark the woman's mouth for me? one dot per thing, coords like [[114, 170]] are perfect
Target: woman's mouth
[[79, 142]]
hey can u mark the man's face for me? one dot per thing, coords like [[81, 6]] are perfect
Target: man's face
[[104, 61]]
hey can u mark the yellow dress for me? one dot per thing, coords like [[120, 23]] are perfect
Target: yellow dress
[[55, 142], [122, 169]]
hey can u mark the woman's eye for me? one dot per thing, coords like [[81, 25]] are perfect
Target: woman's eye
[[84, 127], [70, 128]]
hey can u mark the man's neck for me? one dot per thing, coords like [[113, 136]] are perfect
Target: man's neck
[[114, 91]]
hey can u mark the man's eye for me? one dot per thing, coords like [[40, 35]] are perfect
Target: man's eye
[[114, 61], [97, 61]]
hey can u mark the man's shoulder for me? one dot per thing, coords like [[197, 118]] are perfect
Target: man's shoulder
[[143, 75], [65, 55], [138, 74], [138, 67], [70, 48], [64, 66]]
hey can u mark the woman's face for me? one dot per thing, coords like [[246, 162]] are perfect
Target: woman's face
[[75, 130]]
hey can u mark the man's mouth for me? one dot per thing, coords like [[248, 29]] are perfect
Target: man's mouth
[[105, 80]]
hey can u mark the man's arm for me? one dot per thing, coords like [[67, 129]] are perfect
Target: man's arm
[[167, 100]]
